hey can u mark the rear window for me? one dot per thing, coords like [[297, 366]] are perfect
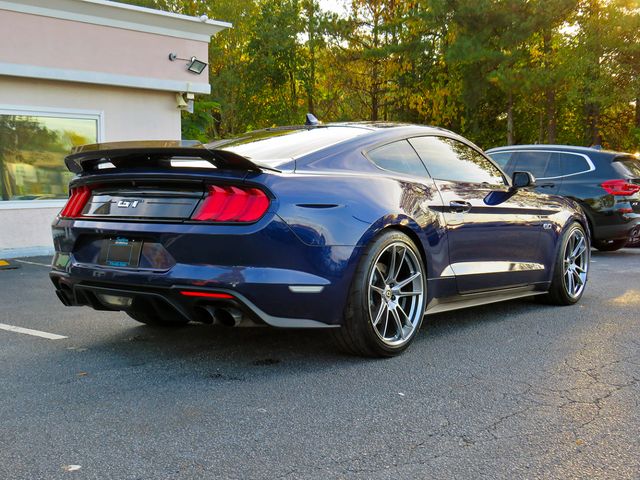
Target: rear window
[[277, 146], [629, 166], [398, 157], [572, 163]]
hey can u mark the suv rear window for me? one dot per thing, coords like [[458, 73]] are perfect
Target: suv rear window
[[629, 165], [572, 163]]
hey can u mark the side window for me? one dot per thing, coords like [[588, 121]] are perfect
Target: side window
[[554, 167], [534, 162], [501, 158], [572, 163], [398, 157], [448, 159]]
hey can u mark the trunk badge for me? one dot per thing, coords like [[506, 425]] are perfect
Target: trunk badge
[[129, 203]]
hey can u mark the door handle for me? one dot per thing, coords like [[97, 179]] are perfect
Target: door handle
[[458, 206], [547, 185]]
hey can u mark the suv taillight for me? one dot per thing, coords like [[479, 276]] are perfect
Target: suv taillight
[[77, 201], [232, 204], [620, 187]]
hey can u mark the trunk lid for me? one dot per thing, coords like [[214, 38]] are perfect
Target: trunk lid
[[151, 181]]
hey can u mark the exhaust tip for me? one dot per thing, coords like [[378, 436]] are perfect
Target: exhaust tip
[[229, 317], [64, 298]]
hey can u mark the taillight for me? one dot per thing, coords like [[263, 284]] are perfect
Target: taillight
[[620, 187], [77, 201], [232, 204]]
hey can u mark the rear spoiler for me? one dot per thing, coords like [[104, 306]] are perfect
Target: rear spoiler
[[153, 154]]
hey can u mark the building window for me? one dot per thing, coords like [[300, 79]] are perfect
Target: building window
[[32, 150]]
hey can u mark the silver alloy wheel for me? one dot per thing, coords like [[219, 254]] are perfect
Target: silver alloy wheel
[[396, 294], [575, 264]]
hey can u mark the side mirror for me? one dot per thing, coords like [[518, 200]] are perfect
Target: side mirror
[[523, 180]]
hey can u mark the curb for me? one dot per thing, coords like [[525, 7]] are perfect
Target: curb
[[8, 265]]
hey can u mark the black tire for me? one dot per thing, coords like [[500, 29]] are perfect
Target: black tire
[[609, 245], [558, 293], [358, 335], [152, 319], [634, 241]]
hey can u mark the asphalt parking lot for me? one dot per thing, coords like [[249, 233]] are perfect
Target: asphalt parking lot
[[514, 390]]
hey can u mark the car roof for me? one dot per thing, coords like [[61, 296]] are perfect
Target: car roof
[[367, 125], [566, 148]]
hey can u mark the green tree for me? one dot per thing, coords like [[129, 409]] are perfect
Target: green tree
[[498, 71]]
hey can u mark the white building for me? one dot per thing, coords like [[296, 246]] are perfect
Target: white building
[[83, 71]]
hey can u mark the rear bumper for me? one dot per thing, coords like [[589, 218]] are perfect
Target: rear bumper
[[622, 231], [170, 302], [614, 225], [273, 277]]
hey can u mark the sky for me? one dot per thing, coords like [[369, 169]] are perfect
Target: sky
[[337, 6]]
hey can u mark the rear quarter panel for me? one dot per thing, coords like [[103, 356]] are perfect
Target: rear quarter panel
[[560, 213], [350, 209]]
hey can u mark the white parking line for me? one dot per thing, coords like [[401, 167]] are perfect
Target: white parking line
[[32, 263], [28, 331]]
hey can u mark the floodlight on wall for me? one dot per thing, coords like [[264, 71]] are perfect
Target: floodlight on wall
[[193, 64]]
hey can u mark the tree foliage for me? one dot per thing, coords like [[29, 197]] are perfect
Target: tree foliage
[[497, 71]]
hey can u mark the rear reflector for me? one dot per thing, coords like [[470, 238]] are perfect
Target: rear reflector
[[77, 201], [232, 204], [620, 187], [222, 296]]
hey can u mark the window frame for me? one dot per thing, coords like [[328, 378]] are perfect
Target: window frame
[[591, 168], [37, 111]]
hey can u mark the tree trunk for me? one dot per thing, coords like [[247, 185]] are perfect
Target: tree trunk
[[310, 89], [510, 125], [375, 103], [311, 82], [549, 91], [541, 130], [550, 111], [638, 111], [375, 68], [593, 125], [294, 92], [375, 91]]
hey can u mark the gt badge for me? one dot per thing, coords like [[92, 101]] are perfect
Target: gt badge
[[129, 203]]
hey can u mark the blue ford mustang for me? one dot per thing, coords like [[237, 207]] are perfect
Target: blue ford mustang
[[356, 227]]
